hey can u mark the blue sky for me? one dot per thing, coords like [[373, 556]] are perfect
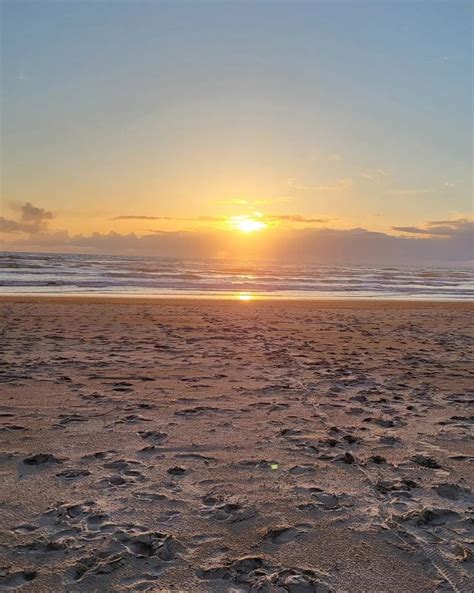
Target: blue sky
[[358, 113]]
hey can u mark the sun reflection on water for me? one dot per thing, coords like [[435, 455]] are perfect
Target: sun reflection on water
[[245, 296]]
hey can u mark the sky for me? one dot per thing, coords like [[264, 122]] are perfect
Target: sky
[[161, 126]]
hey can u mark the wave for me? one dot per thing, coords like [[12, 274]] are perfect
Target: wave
[[92, 274]]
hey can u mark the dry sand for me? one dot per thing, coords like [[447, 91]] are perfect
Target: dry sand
[[236, 446]]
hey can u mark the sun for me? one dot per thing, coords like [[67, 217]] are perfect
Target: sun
[[247, 224]]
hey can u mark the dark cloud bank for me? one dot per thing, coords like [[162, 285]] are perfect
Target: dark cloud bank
[[305, 245], [445, 241]]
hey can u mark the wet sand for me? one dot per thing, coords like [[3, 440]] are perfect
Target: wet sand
[[225, 446]]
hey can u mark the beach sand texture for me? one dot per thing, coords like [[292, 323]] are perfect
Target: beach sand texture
[[229, 446]]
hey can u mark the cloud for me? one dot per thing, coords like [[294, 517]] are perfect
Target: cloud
[[293, 218], [263, 217], [340, 184], [318, 245], [410, 229], [198, 218], [10, 226], [367, 247], [443, 228], [409, 192], [32, 220], [131, 217], [241, 202], [374, 174], [456, 224], [30, 213]]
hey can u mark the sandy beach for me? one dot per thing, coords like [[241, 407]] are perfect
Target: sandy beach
[[226, 446]]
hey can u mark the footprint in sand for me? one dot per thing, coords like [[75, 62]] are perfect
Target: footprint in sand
[[454, 492], [115, 481], [149, 496], [299, 470], [425, 461], [150, 544], [24, 529], [324, 501], [153, 435], [73, 474], [66, 419], [98, 455], [124, 466], [230, 511], [118, 545], [256, 574], [177, 471], [133, 419], [100, 563], [9, 427], [64, 514], [42, 546], [16, 579], [41, 459], [144, 582], [283, 534]]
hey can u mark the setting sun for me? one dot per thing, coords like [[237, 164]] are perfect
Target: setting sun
[[247, 224]]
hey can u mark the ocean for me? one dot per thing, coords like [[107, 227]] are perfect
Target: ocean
[[66, 274]]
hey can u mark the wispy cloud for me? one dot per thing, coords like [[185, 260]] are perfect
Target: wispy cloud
[[140, 217], [242, 202], [317, 156], [192, 219], [297, 218], [442, 228], [374, 174], [339, 185], [293, 218], [417, 191], [410, 229]]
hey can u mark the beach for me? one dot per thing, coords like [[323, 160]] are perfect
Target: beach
[[201, 445]]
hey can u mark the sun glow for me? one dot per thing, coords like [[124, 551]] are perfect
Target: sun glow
[[247, 224], [245, 296]]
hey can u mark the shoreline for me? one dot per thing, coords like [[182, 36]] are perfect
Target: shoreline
[[315, 302]]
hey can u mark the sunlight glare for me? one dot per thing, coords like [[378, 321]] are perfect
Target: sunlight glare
[[246, 224], [245, 296]]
